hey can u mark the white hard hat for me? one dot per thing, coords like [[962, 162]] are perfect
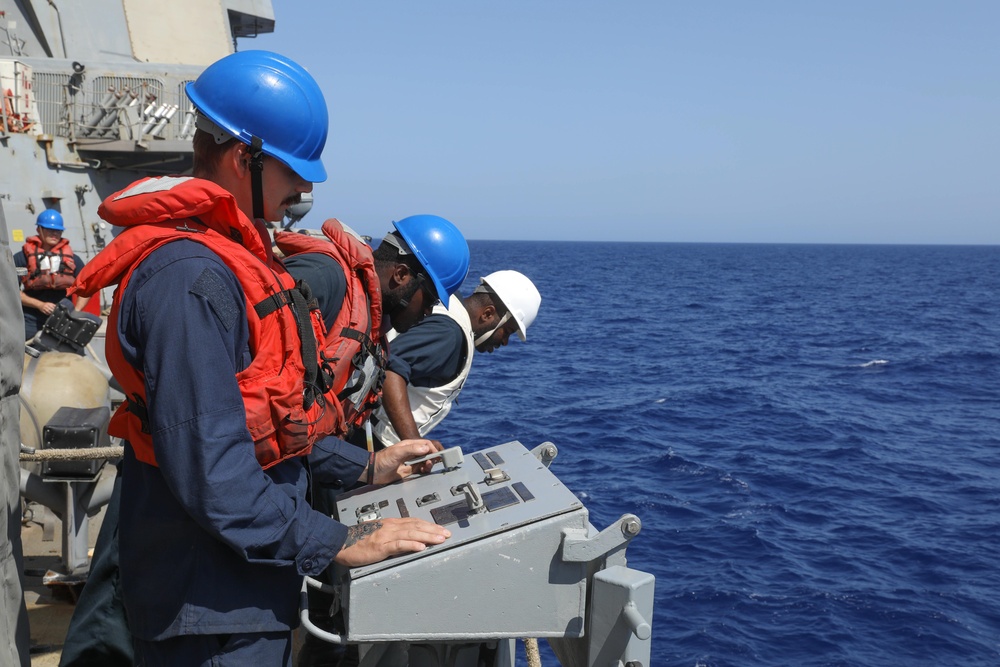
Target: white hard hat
[[519, 295]]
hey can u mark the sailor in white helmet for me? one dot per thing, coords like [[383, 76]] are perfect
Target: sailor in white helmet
[[430, 363]]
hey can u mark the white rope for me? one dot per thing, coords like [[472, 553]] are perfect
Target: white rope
[[531, 652], [73, 454]]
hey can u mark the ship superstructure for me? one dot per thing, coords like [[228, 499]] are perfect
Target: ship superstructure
[[81, 118]]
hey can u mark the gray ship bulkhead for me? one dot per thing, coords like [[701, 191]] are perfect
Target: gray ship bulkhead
[[93, 99]]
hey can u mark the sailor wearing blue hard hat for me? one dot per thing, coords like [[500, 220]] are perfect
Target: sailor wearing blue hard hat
[[438, 256], [431, 362], [274, 108], [51, 267], [214, 344], [50, 219]]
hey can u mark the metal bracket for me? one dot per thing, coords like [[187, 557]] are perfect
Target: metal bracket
[[546, 453], [579, 548], [622, 616]]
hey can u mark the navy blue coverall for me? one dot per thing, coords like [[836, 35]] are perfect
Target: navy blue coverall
[[212, 548]]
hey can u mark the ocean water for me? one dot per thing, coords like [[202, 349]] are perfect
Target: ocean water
[[810, 435]]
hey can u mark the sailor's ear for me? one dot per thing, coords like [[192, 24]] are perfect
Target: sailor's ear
[[488, 313], [240, 154], [401, 274], [236, 160]]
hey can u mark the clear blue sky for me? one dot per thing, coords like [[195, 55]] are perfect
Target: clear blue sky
[[727, 121]]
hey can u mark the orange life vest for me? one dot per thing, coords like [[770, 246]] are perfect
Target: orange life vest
[[279, 385], [354, 352], [37, 279]]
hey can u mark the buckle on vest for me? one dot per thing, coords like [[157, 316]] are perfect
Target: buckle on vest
[[137, 406]]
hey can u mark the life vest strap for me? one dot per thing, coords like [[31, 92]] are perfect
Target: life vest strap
[[257, 175], [273, 303], [370, 348], [298, 299]]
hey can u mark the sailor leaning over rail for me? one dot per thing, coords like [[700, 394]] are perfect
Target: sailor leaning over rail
[[431, 362], [215, 532], [363, 295]]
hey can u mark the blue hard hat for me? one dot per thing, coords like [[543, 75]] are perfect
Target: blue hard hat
[[50, 219], [262, 94], [440, 248]]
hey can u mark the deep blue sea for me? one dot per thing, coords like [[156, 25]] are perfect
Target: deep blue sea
[[810, 435]]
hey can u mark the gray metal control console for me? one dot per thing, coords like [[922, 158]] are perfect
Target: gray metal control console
[[522, 561], [496, 576]]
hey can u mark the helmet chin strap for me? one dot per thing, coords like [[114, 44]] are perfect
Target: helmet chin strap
[[257, 176], [486, 336]]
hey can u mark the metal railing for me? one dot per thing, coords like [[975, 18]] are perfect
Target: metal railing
[[112, 108]]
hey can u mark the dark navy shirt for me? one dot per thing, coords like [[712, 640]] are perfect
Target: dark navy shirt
[[210, 542], [325, 277], [430, 354]]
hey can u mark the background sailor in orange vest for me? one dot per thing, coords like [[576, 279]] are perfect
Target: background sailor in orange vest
[[52, 267]]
